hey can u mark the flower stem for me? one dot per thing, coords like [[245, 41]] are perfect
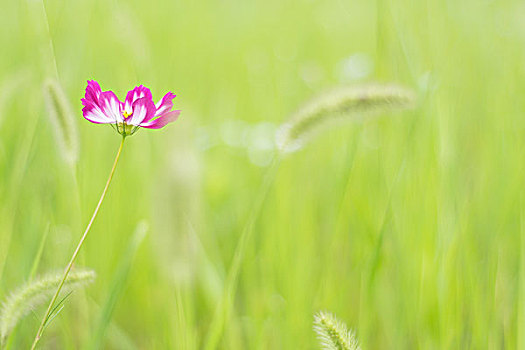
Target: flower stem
[[77, 250]]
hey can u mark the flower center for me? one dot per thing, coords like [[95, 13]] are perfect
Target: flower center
[[126, 114]]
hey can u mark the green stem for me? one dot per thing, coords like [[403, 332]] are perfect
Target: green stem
[[77, 250], [222, 313]]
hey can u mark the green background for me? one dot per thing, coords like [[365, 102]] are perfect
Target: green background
[[409, 227]]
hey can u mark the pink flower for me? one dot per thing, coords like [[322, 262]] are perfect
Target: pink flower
[[138, 110]]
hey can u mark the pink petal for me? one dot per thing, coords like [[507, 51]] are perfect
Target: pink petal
[[133, 95], [165, 105], [162, 120], [143, 108], [111, 106], [93, 92], [94, 114]]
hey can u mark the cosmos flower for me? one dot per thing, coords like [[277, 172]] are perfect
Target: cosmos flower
[[137, 111]]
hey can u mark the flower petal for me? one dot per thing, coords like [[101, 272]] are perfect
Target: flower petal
[[133, 95], [162, 120], [166, 104], [143, 108], [93, 92], [111, 106], [94, 114]]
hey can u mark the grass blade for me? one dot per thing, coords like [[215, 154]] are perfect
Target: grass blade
[[38, 255], [118, 284]]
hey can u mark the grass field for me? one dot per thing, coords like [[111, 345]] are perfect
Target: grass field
[[410, 227]]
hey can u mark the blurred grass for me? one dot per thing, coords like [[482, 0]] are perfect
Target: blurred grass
[[409, 228]]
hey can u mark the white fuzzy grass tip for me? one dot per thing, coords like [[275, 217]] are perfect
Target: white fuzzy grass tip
[[333, 334], [341, 105], [34, 293]]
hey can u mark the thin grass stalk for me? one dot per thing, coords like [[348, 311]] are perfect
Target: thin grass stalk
[[9, 88], [521, 278], [47, 58], [16, 180], [119, 282], [185, 330], [117, 338], [77, 250], [342, 200], [39, 252], [223, 311], [40, 29]]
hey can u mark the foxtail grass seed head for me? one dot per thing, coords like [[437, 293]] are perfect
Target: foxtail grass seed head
[[333, 334], [341, 105], [60, 112], [34, 293]]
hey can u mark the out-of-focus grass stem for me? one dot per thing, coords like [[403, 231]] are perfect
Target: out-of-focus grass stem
[[521, 278], [222, 313], [119, 282], [36, 261], [12, 198]]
